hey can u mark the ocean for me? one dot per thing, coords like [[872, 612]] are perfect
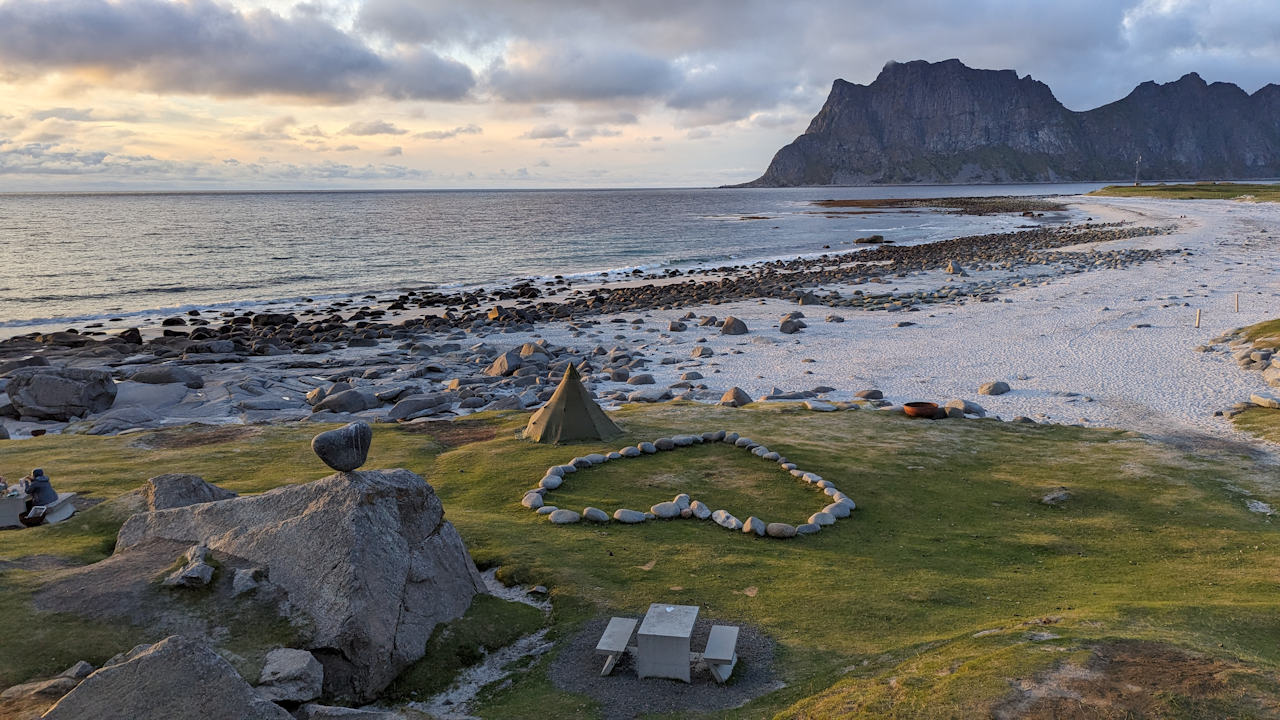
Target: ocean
[[72, 258]]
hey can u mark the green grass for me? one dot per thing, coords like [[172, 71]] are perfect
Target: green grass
[[489, 624], [949, 540], [1260, 422], [1263, 333], [1196, 191]]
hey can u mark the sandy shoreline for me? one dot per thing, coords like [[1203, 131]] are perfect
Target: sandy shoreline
[[1068, 344]]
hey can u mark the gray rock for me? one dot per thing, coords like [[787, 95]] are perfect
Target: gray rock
[[564, 517], [725, 520], [869, 395], [682, 501], [630, 452], [506, 364], [291, 675], [666, 510], [595, 515], [791, 327], [48, 393], [967, 407], [647, 448], [347, 401], [1057, 497], [595, 458], [664, 444], [822, 518], [733, 326], [546, 510], [532, 500], [173, 490], [245, 580], [780, 530], [735, 397], [117, 420], [837, 510], [367, 556], [312, 711], [346, 448], [650, 395], [754, 525], [551, 482], [174, 678], [702, 351], [1265, 400], [641, 379], [819, 406], [700, 509], [195, 572], [997, 387], [630, 517], [168, 374], [807, 529]]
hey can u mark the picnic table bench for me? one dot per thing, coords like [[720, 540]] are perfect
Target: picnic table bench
[[613, 643]]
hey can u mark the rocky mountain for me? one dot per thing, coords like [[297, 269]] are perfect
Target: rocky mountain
[[943, 122]]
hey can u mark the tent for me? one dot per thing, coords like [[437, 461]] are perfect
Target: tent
[[571, 414]]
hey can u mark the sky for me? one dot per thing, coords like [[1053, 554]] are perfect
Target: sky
[[267, 94]]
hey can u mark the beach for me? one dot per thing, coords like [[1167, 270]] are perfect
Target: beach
[[1101, 334]]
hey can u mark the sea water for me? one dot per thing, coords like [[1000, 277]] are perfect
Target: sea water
[[71, 258]]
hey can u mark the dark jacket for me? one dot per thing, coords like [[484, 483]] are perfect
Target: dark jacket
[[40, 490]]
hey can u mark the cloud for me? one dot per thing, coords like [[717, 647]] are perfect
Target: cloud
[[45, 159], [346, 148], [699, 133], [273, 129], [532, 73], [84, 115], [203, 47], [590, 133], [393, 151], [546, 132], [372, 127], [447, 134]]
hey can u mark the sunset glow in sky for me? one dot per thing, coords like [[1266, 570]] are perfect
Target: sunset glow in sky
[[220, 94]]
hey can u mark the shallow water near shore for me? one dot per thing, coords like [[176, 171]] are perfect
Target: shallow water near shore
[[76, 257]]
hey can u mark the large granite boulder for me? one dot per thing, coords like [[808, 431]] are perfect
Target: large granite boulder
[[368, 556], [49, 393], [173, 490], [174, 678]]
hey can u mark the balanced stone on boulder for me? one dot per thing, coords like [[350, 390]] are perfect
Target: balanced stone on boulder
[[346, 448], [367, 556]]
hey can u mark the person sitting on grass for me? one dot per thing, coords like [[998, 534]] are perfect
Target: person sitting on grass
[[38, 489]]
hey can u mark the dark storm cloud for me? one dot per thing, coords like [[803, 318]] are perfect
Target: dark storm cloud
[[203, 47]]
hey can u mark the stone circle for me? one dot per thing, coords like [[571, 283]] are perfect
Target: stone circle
[[682, 505]]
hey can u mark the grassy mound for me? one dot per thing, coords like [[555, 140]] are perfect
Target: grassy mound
[[1196, 191], [941, 597]]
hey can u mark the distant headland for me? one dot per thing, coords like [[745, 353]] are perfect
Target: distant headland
[[944, 122]]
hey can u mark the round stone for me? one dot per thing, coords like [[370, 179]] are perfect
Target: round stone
[[780, 530], [754, 525], [700, 509], [564, 517], [551, 482], [822, 518], [630, 452], [595, 515], [666, 510], [546, 510], [345, 448], [647, 448], [532, 500], [838, 509], [807, 529], [630, 517], [664, 444]]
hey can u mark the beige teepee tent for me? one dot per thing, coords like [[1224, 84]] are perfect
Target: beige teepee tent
[[571, 414]]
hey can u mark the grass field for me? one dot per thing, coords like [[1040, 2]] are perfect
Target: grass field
[[951, 592], [1196, 191]]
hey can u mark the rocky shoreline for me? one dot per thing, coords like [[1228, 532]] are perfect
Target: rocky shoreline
[[429, 354]]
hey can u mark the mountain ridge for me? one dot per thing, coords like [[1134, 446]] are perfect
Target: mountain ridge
[[938, 123]]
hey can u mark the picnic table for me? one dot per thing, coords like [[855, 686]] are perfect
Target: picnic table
[[663, 641]]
